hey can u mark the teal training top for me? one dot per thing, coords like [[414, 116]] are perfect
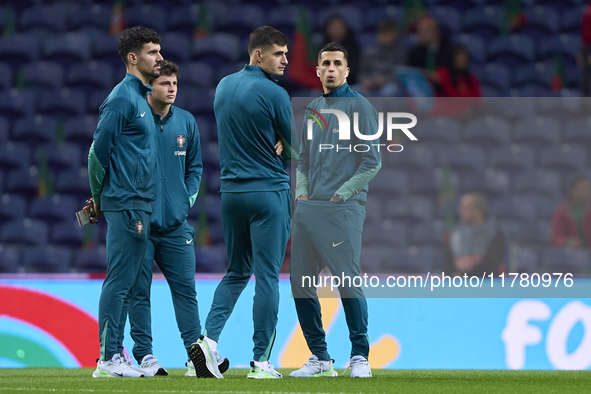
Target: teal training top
[[252, 113], [122, 160], [179, 168], [345, 172]]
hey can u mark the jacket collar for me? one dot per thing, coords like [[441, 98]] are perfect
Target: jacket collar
[[341, 91], [137, 84], [257, 70]]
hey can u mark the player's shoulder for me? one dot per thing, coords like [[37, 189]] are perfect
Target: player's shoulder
[[182, 114]]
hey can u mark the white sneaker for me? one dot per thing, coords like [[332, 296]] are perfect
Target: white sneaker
[[315, 368], [115, 368], [151, 368], [359, 367], [265, 372], [223, 365], [127, 360], [205, 361]]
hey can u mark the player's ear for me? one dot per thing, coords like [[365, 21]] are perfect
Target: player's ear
[[258, 55], [131, 58], [317, 72], [347, 72]]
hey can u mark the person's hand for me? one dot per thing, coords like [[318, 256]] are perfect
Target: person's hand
[[336, 198], [279, 148], [303, 197], [574, 243]]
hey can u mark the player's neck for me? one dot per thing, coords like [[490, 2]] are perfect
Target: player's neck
[[135, 72], [160, 108]]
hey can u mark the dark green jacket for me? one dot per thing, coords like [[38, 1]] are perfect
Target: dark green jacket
[[122, 159]]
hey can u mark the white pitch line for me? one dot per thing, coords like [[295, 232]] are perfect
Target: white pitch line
[[158, 391]]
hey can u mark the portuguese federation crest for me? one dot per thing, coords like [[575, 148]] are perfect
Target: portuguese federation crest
[[180, 140], [139, 227]]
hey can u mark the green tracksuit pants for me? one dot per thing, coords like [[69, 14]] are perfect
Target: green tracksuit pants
[[327, 234], [256, 229], [127, 239]]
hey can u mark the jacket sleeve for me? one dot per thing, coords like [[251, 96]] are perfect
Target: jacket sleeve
[[284, 125], [111, 123], [371, 161], [303, 165], [194, 165]]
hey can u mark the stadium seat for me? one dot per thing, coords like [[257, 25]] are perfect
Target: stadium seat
[[216, 233], [40, 129], [47, 259], [485, 22], [423, 183], [511, 51], [512, 159], [147, 15], [410, 209], [227, 69], [2, 177], [463, 158], [80, 129], [376, 14], [12, 207], [16, 103], [9, 259], [14, 155], [55, 209], [570, 21], [487, 131], [427, 234], [91, 260], [211, 259], [351, 14], [386, 233], [62, 102], [448, 18], [25, 232], [176, 47], [566, 158], [213, 183], [391, 183], [475, 45], [43, 75], [184, 19], [240, 20], [60, 156], [513, 209], [285, 18], [197, 101], [538, 132], [95, 100], [68, 233], [74, 182], [491, 183], [197, 74], [91, 76], [206, 132], [537, 75], [217, 49], [546, 206], [425, 259], [23, 181], [537, 234], [68, 48], [494, 75], [4, 131], [525, 260], [19, 48], [542, 23], [213, 204], [577, 132], [568, 45], [48, 19], [373, 208], [97, 16], [547, 183], [379, 259], [438, 132], [565, 260], [5, 76], [415, 157], [103, 49]]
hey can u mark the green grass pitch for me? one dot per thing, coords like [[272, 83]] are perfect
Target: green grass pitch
[[47, 380]]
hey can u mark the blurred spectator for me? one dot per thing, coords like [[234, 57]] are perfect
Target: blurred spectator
[[337, 30], [432, 50], [571, 222], [586, 50], [457, 80], [377, 69], [477, 244]]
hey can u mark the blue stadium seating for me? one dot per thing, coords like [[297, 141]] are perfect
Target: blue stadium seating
[[568, 45], [475, 45], [80, 129], [91, 260], [485, 22], [390, 183], [463, 159], [5, 76], [4, 131], [565, 158], [196, 101], [489, 131], [513, 209], [97, 16], [536, 234], [379, 259], [183, 19], [448, 18], [211, 259], [55, 209], [12, 207], [425, 259], [23, 181], [351, 14], [95, 100], [570, 21], [373, 208], [62, 102], [216, 233], [410, 209], [438, 132], [548, 183], [526, 260], [19, 48], [512, 159], [17, 103], [104, 49], [14, 155], [25, 232], [74, 182], [68, 48], [9, 259], [48, 19], [285, 18], [542, 22], [91, 75], [217, 49], [386, 233], [577, 132], [67, 233], [490, 182], [546, 206], [2, 176], [415, 156], [196, 74], [213, 205], [537, 75], [422, 183], [565, 260], [427, 234], [60, 156], [47, 259], [240, 20], [494, 75], [43, 75], [40, 129], [538, 132], [511, 51], [148, 15], [176, 47]]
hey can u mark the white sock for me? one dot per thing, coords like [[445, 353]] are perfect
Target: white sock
[[213, 345], [261, 364]]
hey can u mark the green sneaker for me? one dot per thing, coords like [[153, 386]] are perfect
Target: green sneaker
[[223, 365], [205, 360], [315, 368], [266, 372]]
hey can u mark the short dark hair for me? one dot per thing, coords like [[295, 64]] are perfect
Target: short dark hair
[[134, 38], [266, 36], [333, 47], [167, 69]]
